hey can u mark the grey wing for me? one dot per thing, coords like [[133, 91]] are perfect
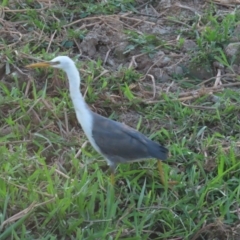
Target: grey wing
[[120, 143]]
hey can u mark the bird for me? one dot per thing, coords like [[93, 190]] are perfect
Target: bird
[[115, 141]]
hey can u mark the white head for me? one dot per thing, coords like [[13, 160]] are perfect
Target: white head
[[67, 65], [61, 62]]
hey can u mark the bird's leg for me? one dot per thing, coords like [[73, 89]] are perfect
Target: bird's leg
[[161, 174], [112, 169], [112, 178]]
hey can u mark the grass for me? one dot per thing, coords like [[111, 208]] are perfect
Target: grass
[[53, 185]]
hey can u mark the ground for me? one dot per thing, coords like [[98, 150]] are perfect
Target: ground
[[167, 68]]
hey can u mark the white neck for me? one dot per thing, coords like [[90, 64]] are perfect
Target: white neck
[[83, 113], [74, 87]]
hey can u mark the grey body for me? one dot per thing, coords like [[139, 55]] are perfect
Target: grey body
[[120, 144]]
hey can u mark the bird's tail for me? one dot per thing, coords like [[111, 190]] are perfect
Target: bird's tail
[[158, 151]]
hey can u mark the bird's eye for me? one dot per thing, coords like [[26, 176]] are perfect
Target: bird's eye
[[55, 63]]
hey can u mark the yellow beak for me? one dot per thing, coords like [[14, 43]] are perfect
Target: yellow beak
[[39, 64]]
